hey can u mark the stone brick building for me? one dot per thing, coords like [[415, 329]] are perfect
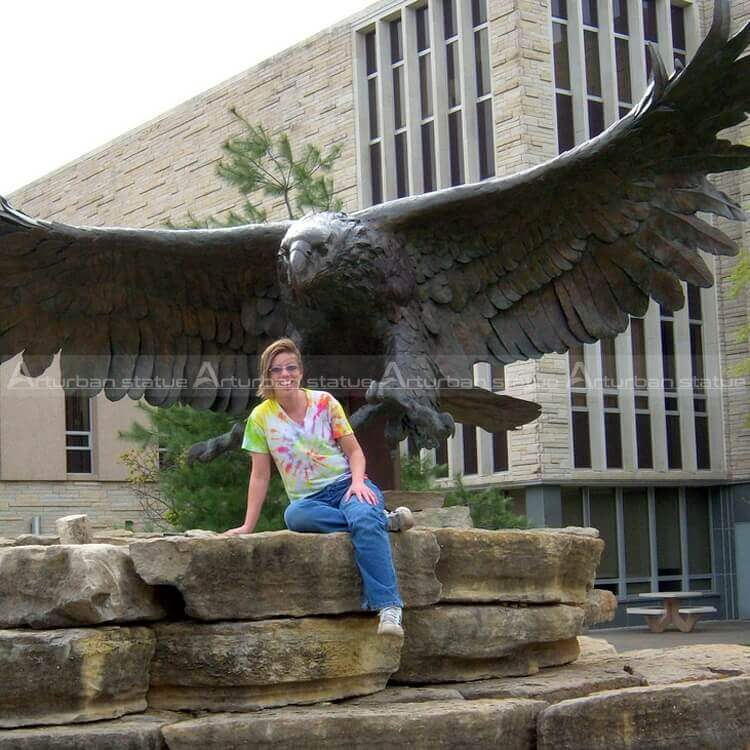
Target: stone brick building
[[423, 95]]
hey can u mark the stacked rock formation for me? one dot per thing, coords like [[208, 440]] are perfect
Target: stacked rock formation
[[209, 642]]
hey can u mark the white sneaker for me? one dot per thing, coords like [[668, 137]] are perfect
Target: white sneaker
[[400, 519], [390, 621]]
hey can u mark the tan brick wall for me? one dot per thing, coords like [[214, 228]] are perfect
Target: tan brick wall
[[107, 504]]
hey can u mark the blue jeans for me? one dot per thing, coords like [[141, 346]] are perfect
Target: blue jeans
[[325, 512]]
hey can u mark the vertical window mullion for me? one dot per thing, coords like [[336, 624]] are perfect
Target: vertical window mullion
[[593, 358], [413, 102], [684, 541], [664, 24], [655, 370], [637, 51], [385, 95], [439, 96], [652, 540], [467, 74], [607, 63], [624, 356], [577, 72], [621, 562], [683, 369]]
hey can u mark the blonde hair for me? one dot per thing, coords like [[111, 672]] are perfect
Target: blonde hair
[[265, 390]]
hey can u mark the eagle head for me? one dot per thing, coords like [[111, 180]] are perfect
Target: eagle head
[[314, 251]]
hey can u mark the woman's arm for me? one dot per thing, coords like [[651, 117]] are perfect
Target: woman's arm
[[260, 476], [351, 447]]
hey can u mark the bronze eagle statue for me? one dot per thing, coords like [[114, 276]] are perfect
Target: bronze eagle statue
[[410, 293]]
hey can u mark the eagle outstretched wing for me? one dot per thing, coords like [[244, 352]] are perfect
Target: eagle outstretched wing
[[139, 312], [563, 253]]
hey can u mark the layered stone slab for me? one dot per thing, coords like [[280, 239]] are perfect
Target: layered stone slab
[[455, 517], [478, 565], [73, 675], [72, 585], [477, 724], [245, 666], [688, 663], [691, 716], [554, 684], [280, 573], [139, 732], [451, 643], [414, 500]]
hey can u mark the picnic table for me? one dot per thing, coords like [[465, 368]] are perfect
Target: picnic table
[[658, 618]]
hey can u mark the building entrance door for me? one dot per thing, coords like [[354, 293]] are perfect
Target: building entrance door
[[742, 559]]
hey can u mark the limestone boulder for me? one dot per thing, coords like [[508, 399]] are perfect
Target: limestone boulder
[[74, 530], [138, 732], [451, 643], [455, 517], [554, 684], [688, 663], [73, 675], [71, 585], [407, 695], [479, 565], [690, 716], [422, 726], [246, 666], [595, 648], [280, 573], [414, 500], [601, 606]]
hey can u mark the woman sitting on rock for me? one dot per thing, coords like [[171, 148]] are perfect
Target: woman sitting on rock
[[323, 469]]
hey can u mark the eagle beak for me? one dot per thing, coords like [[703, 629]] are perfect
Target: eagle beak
[[299, 252]]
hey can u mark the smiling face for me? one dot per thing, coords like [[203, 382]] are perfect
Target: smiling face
[[285, 373]]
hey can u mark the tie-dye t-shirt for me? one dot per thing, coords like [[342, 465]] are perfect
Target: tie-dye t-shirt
[[307, 456]]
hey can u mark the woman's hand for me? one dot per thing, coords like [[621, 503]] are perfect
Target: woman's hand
[[239, 530], [362, 491]]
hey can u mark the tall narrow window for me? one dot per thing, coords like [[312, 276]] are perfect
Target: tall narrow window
[[470, 449], [679, 43], [579, 409], [399, 107], [668, 538], [563, 92], [612, 425], [485, 126], [594, 100], [455, 110], [671, 402], [427, 126], [700, 406], [644, 447], [621, 29], [78, 434], [375, 138], [650, 30], [500, 458]]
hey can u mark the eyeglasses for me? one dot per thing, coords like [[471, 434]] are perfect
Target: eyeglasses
[[291, 369]]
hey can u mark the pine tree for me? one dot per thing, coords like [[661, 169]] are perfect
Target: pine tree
[[259, 166]]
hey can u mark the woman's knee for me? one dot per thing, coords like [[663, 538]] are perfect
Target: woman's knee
[[297, 517]]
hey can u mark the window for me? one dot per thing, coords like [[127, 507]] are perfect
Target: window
[[500, 460], [700, 407], [78, 449], [671, 401], [610, 386], [601, 62], [644, 449], [442, 50], [656, 538], [579, 409]]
